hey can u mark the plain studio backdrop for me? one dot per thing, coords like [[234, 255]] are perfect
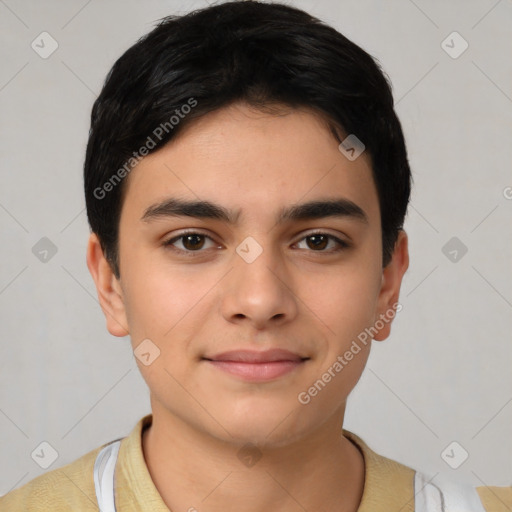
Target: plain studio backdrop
[[437, 395]]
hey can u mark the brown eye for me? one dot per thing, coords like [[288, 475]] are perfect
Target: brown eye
[[318, 242], [190, 242]]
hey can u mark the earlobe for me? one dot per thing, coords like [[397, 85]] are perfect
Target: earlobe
[[109, 290], [392, 276]]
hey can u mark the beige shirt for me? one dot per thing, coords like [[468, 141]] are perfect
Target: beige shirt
[[388, 487]]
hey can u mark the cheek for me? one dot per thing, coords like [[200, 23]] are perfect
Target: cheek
[[160, 302], [165, 302], [342, 312], [345, 300], [164, 307]]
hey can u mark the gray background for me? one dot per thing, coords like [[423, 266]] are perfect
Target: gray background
[[445, 373]]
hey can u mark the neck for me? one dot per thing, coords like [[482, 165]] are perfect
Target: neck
[[194, 471]]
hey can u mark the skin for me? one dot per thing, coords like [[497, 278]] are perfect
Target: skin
[[293, 296]]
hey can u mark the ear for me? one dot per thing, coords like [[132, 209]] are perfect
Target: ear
[[108, 287], [392, 276]]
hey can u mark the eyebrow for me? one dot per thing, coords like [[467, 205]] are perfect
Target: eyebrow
[[175, 207]]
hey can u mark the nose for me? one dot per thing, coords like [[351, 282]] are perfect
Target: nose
[[259, 289]]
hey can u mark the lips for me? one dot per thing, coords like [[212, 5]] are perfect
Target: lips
[[250, 356], [256, 366]]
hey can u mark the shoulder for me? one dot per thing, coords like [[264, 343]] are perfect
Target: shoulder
[[390, 485], [70, 487], [445, 494], [496, 499]]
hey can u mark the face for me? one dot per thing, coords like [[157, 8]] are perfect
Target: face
[[251, 275]]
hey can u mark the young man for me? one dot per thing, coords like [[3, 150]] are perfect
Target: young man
[[246, 182]]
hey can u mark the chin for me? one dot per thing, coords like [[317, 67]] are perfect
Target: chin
[[269, 429]]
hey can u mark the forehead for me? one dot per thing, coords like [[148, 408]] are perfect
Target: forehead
[[251, 161]]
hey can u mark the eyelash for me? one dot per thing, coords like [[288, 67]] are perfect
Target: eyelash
[[169, 243]]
